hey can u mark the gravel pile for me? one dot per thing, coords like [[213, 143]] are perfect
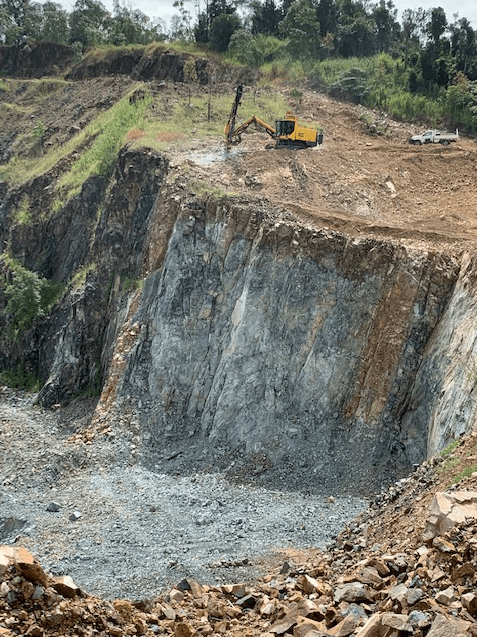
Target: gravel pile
[[124, 531]]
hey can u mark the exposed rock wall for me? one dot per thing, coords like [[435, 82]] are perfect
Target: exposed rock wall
[[35, 59], [159, 65], [301, 347], [445, 389], [100, 232]]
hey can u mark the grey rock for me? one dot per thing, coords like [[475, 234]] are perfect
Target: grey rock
[[353, 592], [417, 618], [11, 526], [53, 507], [414, 595], [356, 611], [37, 593]]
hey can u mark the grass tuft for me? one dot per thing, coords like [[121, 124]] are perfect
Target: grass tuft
[[20, 378], [22, 215]]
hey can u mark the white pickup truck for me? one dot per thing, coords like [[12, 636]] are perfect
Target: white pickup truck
[[434, 137]]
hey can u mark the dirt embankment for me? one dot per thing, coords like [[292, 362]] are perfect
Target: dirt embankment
[[362, 183]]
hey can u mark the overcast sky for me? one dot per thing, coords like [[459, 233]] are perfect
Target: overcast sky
[[164, 9]]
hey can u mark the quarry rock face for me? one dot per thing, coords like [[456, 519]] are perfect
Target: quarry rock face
[[444, 390], [252, 335], [35, 59], [255, 333]]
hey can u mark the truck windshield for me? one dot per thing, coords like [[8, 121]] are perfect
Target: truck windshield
[[285, 127]]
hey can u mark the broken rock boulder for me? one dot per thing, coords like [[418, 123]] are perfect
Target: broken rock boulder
[[449, 509]]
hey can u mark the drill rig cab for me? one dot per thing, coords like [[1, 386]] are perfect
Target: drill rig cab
[[288, 132]]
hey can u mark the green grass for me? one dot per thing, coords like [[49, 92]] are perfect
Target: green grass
[[38, 130], [106, 51], [192, 48], [457, 468], [20, 378], [128, 284], [465, 473], [449, 449], [79, 277], [17, 109], [39, 89], [450, 463], [106, 134], [408, 106], [22, 214], [109, 131], [203, 188], [191, 120]]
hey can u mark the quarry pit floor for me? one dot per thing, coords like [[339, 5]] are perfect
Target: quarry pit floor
[[124, 531]]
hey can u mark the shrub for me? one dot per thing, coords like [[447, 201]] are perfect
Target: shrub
[[20, 378], [28, 297], [244, 48]]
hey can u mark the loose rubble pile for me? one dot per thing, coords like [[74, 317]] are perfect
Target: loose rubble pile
[[424, 589]]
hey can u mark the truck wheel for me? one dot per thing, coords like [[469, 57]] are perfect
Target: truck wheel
[[417, 142], [445, 142]]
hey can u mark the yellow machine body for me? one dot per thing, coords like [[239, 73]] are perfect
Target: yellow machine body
[[289, 132]]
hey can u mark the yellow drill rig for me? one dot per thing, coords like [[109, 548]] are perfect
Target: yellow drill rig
[[287, 131]]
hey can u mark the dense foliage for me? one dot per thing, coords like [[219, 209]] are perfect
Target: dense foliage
[[27, 295], [424, 65]]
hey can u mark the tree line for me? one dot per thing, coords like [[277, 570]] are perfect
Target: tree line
[[89, 24], [435, 48]]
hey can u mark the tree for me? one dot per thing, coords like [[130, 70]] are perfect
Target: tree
[[427, 60], [356, 37], [201, 29], [463, 44], [90, 23], [55, 26], [214, 9], [302, 29], [222, 30], [243, 46], [327, 14], [414, 31], [442, 73], [413, 83], [131, 26], [438, 24], [386, 25], [265, 17], [181, 23], [355, 34], [13, 20]]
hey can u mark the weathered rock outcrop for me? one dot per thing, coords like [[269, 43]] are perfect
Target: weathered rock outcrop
[[35, 59], [444, 391], [160, 64], [69, 349]]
